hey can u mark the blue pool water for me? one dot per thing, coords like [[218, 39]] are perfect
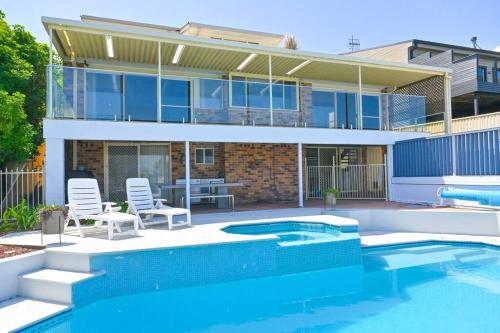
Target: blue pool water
[[430, 287], [291, 233]]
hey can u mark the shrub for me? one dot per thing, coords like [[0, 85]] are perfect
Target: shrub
[[19, 218]]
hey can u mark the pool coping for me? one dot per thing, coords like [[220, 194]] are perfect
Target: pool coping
[[219, 236]]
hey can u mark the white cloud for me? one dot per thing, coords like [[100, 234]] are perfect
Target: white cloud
[[497, 48]]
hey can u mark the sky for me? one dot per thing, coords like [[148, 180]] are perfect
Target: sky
[[321, 26]]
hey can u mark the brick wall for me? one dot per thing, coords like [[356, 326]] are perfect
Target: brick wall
[[268, 171], [215, 170], [90, 155]]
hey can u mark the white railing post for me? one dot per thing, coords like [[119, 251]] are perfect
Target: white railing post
[[50, 102], [271, 122], [188, 175], [360, 99], [299, 167], [158, 86], [448, 124]]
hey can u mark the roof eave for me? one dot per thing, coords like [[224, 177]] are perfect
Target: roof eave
[[160, 36]]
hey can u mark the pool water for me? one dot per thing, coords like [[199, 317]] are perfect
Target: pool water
[[290, 231], [428, 287]]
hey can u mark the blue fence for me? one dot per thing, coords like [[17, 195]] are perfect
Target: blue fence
[[476, 154]]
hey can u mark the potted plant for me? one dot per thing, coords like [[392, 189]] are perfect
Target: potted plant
[[330, 196], [52, 219]]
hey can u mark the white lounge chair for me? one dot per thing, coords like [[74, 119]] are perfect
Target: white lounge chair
[[84, 202], [140, 201]]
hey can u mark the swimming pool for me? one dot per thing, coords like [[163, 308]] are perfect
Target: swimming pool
[[431, 287]]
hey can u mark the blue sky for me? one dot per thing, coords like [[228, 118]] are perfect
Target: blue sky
[[322, 26]]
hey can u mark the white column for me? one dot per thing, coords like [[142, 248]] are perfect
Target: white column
[[447, 104], [158, 86], [50, 103], [299, 167], [188, 176], [270, 91], [389, 160], [360, 99], [54, 172]]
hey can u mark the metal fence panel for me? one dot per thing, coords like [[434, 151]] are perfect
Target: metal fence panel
[[428, 157], [476, 154], [353, 181], [17, 185]]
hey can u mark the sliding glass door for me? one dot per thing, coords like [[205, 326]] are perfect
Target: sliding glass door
[[124, 161]]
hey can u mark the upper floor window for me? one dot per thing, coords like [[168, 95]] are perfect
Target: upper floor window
[[482, 74], [255, 93], [497, 75]]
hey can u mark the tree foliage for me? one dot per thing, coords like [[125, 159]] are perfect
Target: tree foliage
[[22, 91]]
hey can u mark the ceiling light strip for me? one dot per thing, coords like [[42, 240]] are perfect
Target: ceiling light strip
[[246, 62], [296, 68], [177, 54]]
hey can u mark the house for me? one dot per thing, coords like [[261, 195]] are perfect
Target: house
[[207, 104], [475, 84]]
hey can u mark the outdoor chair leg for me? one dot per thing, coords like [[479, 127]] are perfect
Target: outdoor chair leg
[[170, 222], [78, 226], [110, 230]]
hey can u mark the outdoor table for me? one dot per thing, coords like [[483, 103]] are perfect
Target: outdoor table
[[220, 188]]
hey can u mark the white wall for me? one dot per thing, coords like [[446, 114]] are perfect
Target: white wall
[[11, 267], [141, 131], [438, 221], [423, 189], [54, 171]]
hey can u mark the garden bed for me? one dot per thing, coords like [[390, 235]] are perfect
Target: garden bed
[[7, 251]]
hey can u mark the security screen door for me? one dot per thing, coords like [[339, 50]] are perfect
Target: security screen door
[[124, 161]]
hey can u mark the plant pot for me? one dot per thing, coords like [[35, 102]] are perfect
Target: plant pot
[[52, 223], [330, 200]]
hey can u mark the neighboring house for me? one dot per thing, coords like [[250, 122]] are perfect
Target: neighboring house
[[201, 102], [475, 84]]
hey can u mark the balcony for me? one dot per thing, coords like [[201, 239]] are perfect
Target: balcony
[[91, 94]]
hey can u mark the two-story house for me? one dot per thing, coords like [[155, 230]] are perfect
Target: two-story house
[[475, 84], [204, 103]]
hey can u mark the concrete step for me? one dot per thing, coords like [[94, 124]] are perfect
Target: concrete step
[[51, 285], [20, 312], [67, 261]]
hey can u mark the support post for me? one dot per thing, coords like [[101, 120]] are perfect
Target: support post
[[270, 91], [55, 188], [448, 124], [49, 102], [389, 167], [188, 176], [360, 99], [299, 167], [158, 86], [476, 104]]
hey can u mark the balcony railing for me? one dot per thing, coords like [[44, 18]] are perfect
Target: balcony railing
[[82, 93]]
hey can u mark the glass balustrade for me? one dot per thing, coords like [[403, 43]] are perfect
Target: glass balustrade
[[83, 93]]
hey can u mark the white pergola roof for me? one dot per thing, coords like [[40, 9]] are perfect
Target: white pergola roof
[[134, 44]]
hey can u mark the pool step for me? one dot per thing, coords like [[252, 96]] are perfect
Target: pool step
[[51, 285], [20, 312], [478, 258], [67, 261]]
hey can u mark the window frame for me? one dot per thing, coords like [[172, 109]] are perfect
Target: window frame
[[485, 71], [204, 149], [248, 78]]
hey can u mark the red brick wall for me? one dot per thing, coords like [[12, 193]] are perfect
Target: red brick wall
[[215, 170], [268, 171], [90, 155]]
